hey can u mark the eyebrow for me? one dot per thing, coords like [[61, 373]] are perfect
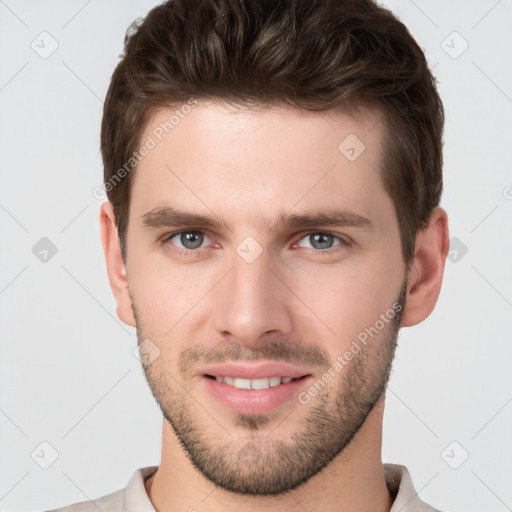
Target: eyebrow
[[167, 216]]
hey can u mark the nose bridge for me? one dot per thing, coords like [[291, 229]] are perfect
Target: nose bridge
[[251, 300]]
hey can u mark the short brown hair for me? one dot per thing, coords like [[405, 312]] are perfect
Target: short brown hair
[[310, 54]]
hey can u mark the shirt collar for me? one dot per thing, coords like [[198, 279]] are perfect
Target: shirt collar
[[398, 481], [401, 488], [135, 496]]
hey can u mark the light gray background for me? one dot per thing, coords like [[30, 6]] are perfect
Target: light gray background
[[68, 373]]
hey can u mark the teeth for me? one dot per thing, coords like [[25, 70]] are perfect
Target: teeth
[[260, 383], [243, 383], [240, 383], [275, 381]]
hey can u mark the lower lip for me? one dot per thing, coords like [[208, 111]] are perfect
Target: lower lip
[[254, 401]]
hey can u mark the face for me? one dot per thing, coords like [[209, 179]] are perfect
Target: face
[[265, 272]]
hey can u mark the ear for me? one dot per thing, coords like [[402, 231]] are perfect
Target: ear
[[425, 275], [115, 265]]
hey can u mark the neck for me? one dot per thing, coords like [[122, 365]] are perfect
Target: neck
[[354, 480]]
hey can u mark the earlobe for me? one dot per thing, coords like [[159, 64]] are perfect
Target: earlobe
[[115, 265], [425, 275]]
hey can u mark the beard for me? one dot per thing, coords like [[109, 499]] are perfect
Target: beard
[[257, 463]]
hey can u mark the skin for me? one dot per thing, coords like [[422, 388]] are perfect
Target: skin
[[244, 166]]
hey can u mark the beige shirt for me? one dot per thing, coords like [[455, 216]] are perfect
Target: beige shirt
[[133, 498]]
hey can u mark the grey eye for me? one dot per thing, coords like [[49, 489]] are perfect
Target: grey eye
[[321, 241], [189, 239]]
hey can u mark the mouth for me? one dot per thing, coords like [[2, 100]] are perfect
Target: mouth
[[254, 388]]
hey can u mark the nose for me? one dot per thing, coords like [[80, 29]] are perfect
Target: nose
[[252, 301]]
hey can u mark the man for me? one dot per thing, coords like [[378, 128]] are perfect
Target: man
[[273, 170]]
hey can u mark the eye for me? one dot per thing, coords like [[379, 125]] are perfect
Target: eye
[[186, 242], [189, 240], [322, 241]]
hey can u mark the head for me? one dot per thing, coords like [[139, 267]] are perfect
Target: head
[[304, 141]]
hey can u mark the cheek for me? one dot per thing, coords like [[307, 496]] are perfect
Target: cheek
[[165, 307], [166, 294], [347, 300]]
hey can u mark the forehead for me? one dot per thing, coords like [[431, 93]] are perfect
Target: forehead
[[260, 161]]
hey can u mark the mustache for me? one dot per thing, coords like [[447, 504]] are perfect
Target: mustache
[[288, 351]]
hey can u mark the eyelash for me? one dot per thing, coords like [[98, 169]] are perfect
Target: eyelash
[[344, 242]]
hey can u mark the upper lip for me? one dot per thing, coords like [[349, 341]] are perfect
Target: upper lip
[[253, 370]]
